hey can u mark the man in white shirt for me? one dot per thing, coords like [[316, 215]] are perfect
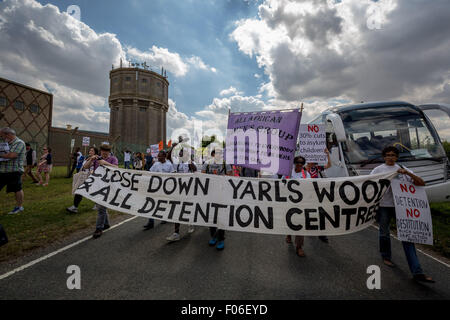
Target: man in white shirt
[[386, 211], [162, 165], [127, 159], [183, 166]]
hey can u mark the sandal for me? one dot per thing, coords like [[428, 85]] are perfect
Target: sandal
[[299, 251], [288, 239], [423, 278], [389, 263]]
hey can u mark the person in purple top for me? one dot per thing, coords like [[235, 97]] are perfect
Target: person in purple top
[[105, 159]]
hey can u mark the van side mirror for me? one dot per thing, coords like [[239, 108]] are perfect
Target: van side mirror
[[338, 126]]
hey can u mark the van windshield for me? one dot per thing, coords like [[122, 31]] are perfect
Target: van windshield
[[369, 130]]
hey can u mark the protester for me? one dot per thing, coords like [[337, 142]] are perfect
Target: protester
[[75, 156], [127, 159], [183, 166], [105, 159], [45, 166], [30, 157], [138, 163], [162, 165], [315, 172], [11, 168], [386, 211], [93, 155], [148, 161], [217, 165], [298, 172], [248, 172]]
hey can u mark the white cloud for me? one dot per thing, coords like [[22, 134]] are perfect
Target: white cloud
[[230, 91], [353, 49], [157, 57], [50, 50], [171, 61]]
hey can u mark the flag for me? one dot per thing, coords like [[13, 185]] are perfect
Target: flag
[[169, 144], [160, 145]]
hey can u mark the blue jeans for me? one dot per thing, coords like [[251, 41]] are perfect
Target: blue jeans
[[102, 217], [384, 218], [126, 164]]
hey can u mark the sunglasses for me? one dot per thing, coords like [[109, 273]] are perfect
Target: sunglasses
[[299, 163]]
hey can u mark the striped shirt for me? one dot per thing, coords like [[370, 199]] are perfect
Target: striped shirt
[[16, 164]]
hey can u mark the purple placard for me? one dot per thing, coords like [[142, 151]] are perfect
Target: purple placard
[[263, 140]]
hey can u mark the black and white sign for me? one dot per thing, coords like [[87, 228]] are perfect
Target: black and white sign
[[331, 206]]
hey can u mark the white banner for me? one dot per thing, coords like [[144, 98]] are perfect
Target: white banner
[[272, 206], [413, 213], [312, 141]]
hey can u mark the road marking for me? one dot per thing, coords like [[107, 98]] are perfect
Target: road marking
[[422, 252], [58, 251]]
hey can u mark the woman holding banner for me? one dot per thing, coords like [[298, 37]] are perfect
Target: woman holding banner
[[93, 154], [298, 172], [316, 171], [105, 159], [387, 210], [183, 166]]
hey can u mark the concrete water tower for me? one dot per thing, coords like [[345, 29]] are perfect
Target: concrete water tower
[[138, 103]]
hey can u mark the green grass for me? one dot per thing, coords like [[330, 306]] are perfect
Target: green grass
[[45, 218], [441, 227]]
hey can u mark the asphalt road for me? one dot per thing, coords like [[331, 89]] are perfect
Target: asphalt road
[[129, 263]]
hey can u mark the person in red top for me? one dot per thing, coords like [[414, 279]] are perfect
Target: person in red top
[[316, 171]]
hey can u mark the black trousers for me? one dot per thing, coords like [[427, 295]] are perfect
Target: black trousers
[[217, 233], [77, 199]]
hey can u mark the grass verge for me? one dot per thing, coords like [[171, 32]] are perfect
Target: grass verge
[[45, 218]]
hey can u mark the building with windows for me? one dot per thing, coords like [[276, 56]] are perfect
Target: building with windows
[[138, 104], [27, 110]]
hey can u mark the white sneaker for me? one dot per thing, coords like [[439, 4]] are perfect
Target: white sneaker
[[191, 229], [72, 209], [16, 210], [173, 237]]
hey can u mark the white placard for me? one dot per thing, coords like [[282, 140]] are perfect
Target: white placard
[[154, 150], [412, 210], [86, 141], [312, 141]]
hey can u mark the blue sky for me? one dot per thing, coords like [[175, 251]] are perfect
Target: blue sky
[[190, 28], [243, 55]]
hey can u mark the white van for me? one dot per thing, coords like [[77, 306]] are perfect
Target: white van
[[356, 135]]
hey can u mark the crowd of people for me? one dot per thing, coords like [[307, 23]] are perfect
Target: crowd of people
[[20, 155]]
